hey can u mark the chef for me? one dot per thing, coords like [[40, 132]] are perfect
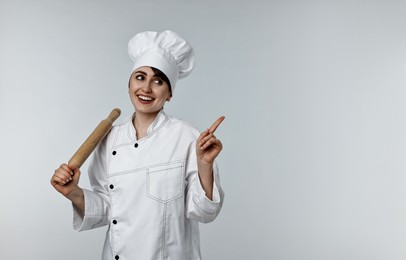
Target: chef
[[154, 177]]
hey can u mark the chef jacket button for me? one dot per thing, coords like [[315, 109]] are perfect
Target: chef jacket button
[[114, 222], [116, 257], [114, 152], [136, 145], [111, 186]]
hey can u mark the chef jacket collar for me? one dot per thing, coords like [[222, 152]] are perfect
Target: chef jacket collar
[[159, 121]]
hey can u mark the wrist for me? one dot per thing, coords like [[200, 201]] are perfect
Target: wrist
[[76, 194], [205, 167]]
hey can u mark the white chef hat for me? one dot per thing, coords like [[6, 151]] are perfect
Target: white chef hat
[[166, 51]]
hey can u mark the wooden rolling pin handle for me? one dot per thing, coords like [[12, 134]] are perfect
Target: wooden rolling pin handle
[[94, 139], [114, 114]]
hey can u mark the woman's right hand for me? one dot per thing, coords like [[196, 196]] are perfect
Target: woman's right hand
[[65, 179]]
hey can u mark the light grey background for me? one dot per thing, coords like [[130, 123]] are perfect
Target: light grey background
[[314, 139]]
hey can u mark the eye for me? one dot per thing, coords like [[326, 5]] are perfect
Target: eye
[[139, 77], [158, 82]]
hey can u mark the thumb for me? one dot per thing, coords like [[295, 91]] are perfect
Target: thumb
[[76, 173]]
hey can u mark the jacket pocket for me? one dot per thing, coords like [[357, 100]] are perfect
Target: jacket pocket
[[165, 182]]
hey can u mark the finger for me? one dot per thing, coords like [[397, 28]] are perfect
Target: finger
[[63, 176], [67, 168], [216, 124], [205, 138], [58, 180], [211, 142], [61, 173], [202, 135], [76, 174], [73, 168]]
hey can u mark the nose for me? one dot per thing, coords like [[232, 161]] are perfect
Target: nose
[[146, 86]]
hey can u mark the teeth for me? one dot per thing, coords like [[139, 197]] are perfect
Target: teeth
[[145, 98]]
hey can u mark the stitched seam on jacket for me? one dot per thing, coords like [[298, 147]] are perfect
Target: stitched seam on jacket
[[182, 165], [150, 134], [163, 247], [145, 168]]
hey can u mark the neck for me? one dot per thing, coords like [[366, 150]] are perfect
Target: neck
[[142, 122]]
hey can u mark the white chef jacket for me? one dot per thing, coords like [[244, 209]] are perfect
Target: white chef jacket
[[149, 193]]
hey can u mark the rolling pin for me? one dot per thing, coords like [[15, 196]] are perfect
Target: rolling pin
[[93, 140]]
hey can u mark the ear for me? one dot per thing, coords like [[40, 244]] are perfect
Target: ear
[[169, 98]]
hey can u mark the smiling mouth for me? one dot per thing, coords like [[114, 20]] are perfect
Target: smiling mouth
[[145, 99]]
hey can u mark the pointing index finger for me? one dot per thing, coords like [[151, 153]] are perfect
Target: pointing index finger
[[216, 124]]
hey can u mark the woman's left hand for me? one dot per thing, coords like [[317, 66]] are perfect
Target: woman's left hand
[[207, 145], [207, 149]]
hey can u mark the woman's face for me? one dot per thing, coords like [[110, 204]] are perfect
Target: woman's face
[[148, 92]]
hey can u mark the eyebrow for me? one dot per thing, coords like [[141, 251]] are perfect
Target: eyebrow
[[140, 71]]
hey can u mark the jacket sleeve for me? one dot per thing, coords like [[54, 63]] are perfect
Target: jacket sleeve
[[97, 203], [198, 206]]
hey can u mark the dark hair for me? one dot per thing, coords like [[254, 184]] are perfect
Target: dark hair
[[160, 75]]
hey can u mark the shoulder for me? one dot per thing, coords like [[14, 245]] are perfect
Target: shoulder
[[120, 126], [119, 132], [178, 132], [116, 129], [182, 125]]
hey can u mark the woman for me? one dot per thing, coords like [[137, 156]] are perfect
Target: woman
[[154, 177]]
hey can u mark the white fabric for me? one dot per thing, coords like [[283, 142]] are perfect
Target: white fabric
[[157, 198], [166, 51]]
